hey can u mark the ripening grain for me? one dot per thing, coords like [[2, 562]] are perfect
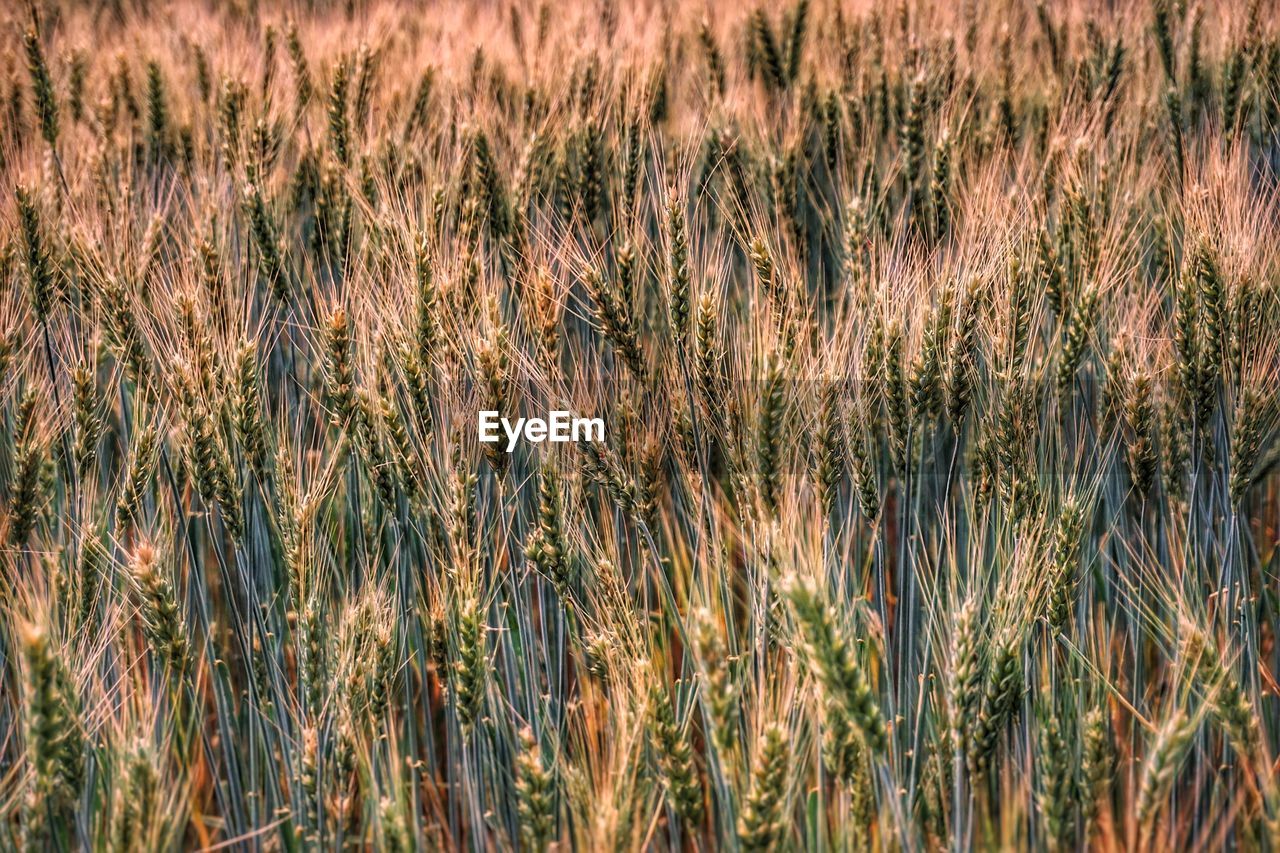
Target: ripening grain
[[935, 346]]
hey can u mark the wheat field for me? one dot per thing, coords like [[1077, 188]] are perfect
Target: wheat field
[[937, 349]]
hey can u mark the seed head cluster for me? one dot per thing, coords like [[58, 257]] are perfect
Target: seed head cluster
[[935, 344]]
